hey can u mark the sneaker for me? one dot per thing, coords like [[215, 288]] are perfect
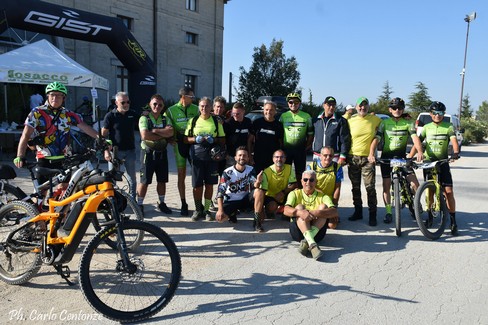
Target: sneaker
[[303, 248], [257, 226], [316, 252], [372, 221], [197, 215], [184, 209], [454, 230], [388, 218], [141, 207], [213, 206], [209, 216], [164, 208]]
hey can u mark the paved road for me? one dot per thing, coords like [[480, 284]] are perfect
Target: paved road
[[367, 276]]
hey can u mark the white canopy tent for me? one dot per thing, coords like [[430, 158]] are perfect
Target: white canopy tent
[[42, 63]]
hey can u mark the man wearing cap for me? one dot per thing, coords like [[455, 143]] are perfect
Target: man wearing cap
[[331, 130], [349, 110], [361, 159], [298, 133]]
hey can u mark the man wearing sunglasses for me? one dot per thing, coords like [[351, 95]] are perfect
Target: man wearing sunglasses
[[395, 132], [155, 131], [311, 213], [298, 133], [437, 135], [119, 126]]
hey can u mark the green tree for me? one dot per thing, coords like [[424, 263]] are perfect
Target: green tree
[[270, 74], [381, 106], [466, 110], [482, 113], [419, 101]]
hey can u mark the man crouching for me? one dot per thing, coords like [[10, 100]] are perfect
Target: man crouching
[[311, 213]]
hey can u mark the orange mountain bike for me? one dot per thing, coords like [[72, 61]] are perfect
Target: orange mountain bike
[[125, 284]]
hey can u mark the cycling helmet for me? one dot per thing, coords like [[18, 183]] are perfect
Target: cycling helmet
[[56, 86], [218, 153], [293, 95], [397, 102], [437, 106]]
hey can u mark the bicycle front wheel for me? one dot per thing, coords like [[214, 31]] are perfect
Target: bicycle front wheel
[[431, 210], [129, 210], [398, 206], [20, 258], [127, 294]]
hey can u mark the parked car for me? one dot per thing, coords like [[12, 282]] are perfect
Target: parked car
[[257, 111], [425, 118]]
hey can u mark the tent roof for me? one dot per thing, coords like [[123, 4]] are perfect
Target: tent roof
[[41, 63]]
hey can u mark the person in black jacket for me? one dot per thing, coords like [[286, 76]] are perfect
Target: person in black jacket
[[331, 130]]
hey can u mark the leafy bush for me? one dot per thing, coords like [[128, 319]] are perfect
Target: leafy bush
[[474, 131]]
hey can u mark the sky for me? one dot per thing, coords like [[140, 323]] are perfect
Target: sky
[[351, 48]]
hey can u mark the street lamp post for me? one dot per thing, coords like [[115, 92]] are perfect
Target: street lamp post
[[469, 18]]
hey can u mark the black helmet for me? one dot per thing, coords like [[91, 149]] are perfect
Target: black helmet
[[437, 106], [218, 153], [397, 102]]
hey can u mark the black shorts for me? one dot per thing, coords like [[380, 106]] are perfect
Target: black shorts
[[51, 164], [297, 235], [445, 176], [204, 172], [268, 199], [231, 207], [154, 162], [386, 170]]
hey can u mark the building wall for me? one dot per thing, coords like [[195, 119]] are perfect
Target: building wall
[[172, 56]]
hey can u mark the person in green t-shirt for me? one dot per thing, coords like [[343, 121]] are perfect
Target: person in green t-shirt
[[311, 213], [203, 133], [395, 132], [155, 131], [437, 136], [178, 115], [361, 161]]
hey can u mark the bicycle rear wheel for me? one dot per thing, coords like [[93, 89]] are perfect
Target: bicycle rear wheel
[[128, 211], [431, 210], [398, 206], [130, 296], [19, 256]]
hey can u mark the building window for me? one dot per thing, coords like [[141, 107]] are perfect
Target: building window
[[122, 79], [127, 21], [191, 5], [191, 81], [191, 38]]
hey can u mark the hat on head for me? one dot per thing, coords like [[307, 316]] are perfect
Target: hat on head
[[330, 99], [362, 99], [348, 107]]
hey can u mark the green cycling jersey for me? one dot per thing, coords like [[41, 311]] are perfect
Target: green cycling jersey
[[437, 138], [395, 134]]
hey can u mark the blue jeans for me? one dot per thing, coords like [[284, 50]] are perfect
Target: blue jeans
[[129, 157]]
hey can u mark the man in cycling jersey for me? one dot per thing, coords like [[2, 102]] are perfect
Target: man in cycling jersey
[[49, 127], [178, 115], [202, 133], [298, 133], [271, 188], [437, 135], [329, 174], [311, 213], [395, 132]]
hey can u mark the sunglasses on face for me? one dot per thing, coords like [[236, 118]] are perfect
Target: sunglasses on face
[[125, 102], [156, 104], [189, 96], [397, 108], [291, 102], [438, 113], [311, 180]]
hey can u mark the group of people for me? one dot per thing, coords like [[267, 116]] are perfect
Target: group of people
[[259, 165]]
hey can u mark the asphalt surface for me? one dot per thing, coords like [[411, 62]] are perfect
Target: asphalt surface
[[368, 275]]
